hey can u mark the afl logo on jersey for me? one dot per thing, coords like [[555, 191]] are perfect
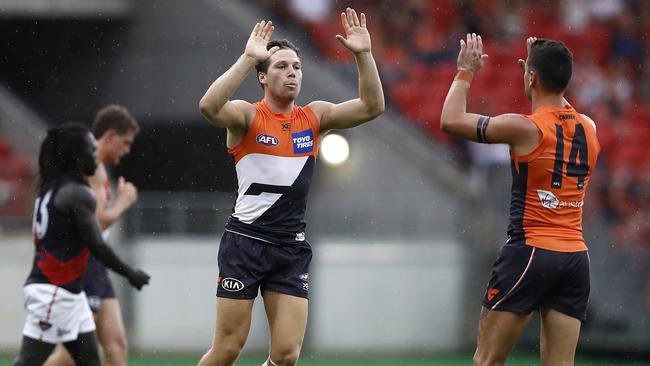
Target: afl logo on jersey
[[267, 140], [232, 284]]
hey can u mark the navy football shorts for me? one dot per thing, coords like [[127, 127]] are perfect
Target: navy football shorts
[[96, 284], [526, 278], [247, 265]]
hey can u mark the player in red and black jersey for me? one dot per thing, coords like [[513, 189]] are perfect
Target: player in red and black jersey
[[65, 233], [544, 265], [115, 130]]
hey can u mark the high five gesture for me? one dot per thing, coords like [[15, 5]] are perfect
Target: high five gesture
[[274, 144], [256, 45], [357, 38], [471, 56]]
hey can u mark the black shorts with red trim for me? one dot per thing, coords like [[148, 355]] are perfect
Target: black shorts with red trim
[[525, 279], [248, 265]]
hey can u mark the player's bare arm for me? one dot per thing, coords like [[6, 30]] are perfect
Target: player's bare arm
[[370, 103], [512, 129], [216, 105], [79, 201], [127, 195]]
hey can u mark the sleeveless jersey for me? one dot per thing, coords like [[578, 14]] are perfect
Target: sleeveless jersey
[[274, 164], [60, 257], [548, 184]]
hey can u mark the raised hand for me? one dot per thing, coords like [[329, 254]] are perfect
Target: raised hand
[[529, 44], [357, 38], [256, 45], [471, 56]]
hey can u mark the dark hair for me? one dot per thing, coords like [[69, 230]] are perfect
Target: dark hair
[[60, 152], [284, 44], [553, 63], [114, 117]]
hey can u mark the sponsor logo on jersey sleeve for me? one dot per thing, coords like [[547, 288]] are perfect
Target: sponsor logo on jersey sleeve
[[303, 142], [267, 140]]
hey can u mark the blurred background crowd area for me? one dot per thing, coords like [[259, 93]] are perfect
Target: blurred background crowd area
[[416, 43]]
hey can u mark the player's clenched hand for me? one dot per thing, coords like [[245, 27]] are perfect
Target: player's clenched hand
[[138, 279], [471, 56], [256, 45], [126, 192], [357, 38]]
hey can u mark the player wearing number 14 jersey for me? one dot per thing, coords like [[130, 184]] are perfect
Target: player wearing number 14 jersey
[[544, 264]]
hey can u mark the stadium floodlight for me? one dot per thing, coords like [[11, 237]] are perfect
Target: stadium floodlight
[[334, 149]]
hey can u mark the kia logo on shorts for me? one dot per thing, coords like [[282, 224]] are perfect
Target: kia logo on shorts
[[232, 284], [267, 140]]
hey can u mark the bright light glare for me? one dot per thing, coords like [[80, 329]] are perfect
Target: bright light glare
[[334, 149]]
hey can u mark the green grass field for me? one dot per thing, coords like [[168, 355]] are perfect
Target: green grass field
[[515, 360]]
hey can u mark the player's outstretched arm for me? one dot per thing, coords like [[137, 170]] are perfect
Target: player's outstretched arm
[[513, 129], [370, 103], [79, 201], [215, 104]]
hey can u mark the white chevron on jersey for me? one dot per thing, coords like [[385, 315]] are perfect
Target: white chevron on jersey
[[263, 169]]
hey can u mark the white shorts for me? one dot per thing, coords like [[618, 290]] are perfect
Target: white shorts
[[54, 314]]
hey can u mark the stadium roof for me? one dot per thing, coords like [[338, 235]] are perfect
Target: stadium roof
[[85, 9]]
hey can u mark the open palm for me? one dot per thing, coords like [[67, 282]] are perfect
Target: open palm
[[256, 45], [357, 38]]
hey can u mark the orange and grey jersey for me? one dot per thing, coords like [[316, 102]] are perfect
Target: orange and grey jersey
[[274, 164], [548, 184]]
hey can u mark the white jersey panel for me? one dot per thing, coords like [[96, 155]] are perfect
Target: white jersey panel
[[268, 170]]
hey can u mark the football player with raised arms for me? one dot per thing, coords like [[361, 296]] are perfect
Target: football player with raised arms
[[274, 144], [544, 264]]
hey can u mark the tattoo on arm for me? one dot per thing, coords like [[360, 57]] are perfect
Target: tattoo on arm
[[481, 127]]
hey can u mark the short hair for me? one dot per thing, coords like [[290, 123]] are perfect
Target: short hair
[[284, 44], [553, 63], [114, 117], [60, 152]]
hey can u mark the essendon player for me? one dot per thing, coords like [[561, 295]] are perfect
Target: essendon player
[[544, 264], [274, 144], [115, 130], [65, 233]]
